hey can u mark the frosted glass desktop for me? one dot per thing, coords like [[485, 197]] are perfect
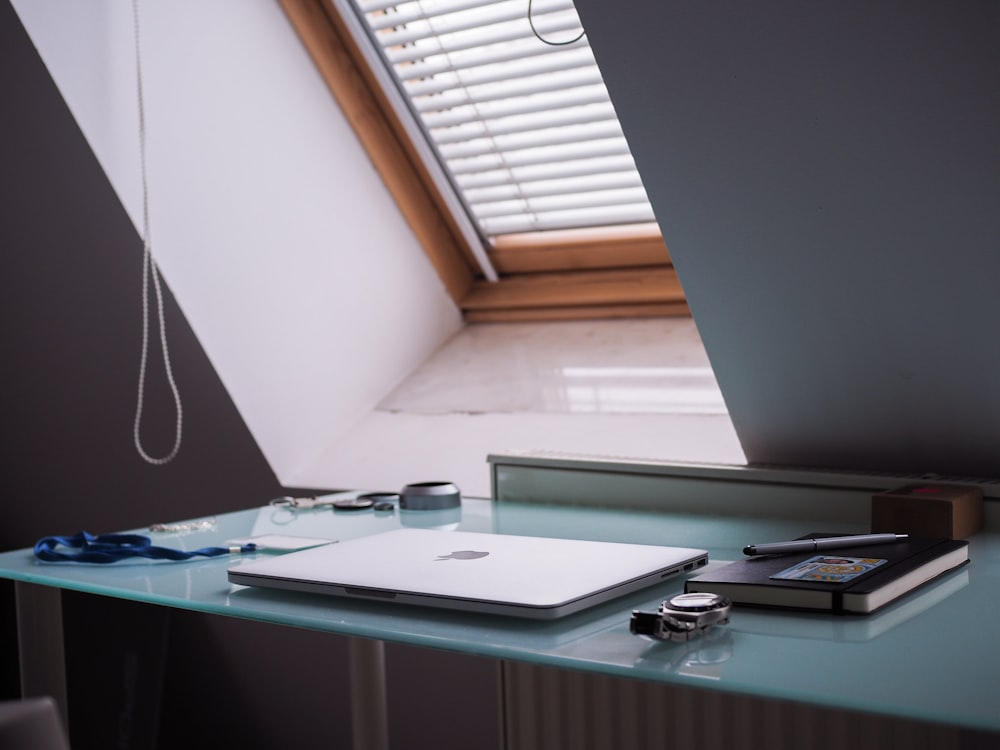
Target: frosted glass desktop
[[884, 663]]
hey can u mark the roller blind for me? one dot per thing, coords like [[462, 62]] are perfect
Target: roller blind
[[523, 131]]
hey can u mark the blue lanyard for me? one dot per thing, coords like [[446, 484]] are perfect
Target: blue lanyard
[[109, 548]]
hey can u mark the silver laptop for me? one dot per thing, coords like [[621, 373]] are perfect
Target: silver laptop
[[524, 576]]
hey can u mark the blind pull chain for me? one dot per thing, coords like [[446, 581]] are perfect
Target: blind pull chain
[[150, 273]]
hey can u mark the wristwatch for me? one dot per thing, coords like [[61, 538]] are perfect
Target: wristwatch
[[682, 617]]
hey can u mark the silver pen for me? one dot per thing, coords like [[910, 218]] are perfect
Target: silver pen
[[827, 542]]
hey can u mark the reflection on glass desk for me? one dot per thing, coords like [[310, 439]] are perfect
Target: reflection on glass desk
[[888, 663]]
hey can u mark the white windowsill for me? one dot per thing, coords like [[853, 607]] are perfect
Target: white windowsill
[[630, 388]]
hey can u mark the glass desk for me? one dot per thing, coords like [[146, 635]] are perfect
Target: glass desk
[[887, 663]]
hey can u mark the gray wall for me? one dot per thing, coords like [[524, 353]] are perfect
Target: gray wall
[[827, 178]]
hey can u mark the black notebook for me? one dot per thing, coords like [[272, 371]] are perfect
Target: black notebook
[[854, 579]]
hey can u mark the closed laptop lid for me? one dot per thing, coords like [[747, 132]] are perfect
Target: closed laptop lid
[[495, 573]]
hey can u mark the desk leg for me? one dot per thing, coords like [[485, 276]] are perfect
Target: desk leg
[[369, 713], [40, 644]]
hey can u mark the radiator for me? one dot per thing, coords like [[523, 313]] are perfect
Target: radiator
[[550, 709]]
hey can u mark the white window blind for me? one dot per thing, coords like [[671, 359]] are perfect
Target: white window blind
[[524, 130]]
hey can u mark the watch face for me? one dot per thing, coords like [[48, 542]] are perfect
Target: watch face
[[700, 601], [683, 617]]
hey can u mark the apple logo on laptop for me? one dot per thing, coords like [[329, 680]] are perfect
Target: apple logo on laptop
[[463, 554]]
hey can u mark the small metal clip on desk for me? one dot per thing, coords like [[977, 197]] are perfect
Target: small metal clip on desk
[[863, 663]]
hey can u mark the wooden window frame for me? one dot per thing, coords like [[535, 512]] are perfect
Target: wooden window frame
[[557, 275]]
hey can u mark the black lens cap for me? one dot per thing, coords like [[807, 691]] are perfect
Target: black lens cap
[[353, 503], [378, 500]]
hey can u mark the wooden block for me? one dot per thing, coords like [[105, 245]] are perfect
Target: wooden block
[[929, 510]]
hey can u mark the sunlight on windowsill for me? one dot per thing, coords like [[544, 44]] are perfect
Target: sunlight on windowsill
[[654, 366], [640, 389]]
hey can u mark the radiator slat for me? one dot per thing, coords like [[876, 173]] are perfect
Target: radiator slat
[[553, 709]]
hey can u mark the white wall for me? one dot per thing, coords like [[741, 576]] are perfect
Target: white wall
[[306, 288]]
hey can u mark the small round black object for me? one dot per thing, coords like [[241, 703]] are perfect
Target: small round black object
[[386, 497], [354, 503], [383, 501]]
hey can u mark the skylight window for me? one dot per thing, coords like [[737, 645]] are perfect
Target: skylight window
[[514, 110], [490, 125]]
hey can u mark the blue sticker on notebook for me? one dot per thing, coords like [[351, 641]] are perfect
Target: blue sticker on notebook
[[829, 569]]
